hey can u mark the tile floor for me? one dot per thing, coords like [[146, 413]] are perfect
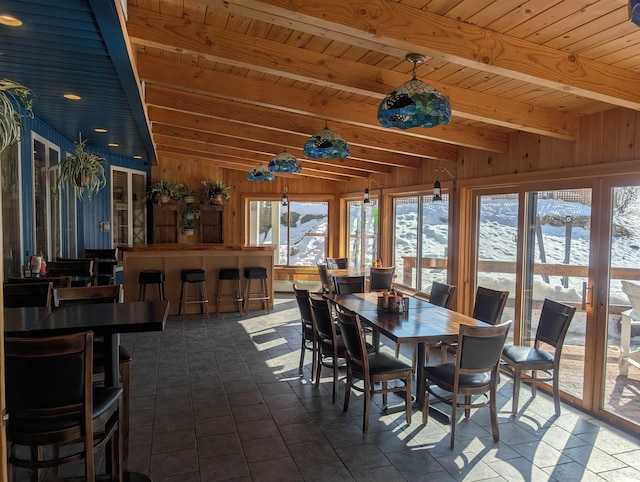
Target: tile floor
[[220, 399]]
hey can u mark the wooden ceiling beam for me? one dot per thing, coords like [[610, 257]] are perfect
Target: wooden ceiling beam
[[404, 27], [318, 104], [173, 34], [188, 138]]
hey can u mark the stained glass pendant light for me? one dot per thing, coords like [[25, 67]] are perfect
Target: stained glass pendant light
[[260, 173], [326, 144], [414, 103], [286, 163]]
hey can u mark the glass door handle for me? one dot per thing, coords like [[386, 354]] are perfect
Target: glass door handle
[[586, 289]]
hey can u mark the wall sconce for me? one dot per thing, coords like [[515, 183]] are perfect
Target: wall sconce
[[285, 199], [366, 196], [437, 190]]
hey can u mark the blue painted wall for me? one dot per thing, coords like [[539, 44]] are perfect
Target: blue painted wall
[[90, 212]]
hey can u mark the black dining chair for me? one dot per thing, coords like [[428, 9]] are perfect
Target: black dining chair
[[371, 369], [27, 294], [330, 344], [380, 279], [105, 261], [309, 341], [337, 263], [51, 401], [489, 305], [324, 278], [475, 372], [552, 329], [345, 285]]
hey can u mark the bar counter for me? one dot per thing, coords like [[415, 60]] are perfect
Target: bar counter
[[210, 257]]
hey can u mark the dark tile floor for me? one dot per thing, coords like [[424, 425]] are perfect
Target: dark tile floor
[[221, 399]]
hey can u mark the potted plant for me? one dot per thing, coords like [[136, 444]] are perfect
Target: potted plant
[[163, 191], [215, 192], [11, 127], [83, 170], [187, 194], [190, 214]]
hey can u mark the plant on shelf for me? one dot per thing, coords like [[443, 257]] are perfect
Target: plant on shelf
[[11, 127], [83, 170], [190, 214], [215, 192], [164, 191], [187, 194]]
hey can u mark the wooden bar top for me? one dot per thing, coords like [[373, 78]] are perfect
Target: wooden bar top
[[193, 247]]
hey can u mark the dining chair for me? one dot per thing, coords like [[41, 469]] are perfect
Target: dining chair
[[475, 372], [105, 262], [72, 267], [329, 343], [345, 285], [337, 263], [371, 368], [441, 294], [380, 279], [489, 305], [95, 295], [552, 328], [51, 401], [324, 278], [56, 281], [309, 341], [27, 294]]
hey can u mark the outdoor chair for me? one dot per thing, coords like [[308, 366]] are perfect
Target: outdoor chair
[[309, 342], [337, 263], [51, 401], [552, 329], [380, 279], [345, 285], [27, 294], [372, 369], [475, 372]]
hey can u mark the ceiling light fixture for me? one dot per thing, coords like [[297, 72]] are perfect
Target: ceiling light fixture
[[366, 199], [414, 103], [260, 173], [326, 144], [285, 163], [10, 21], [634, 12], [285, 199], [101, 130], [72, 96], [437, 189]]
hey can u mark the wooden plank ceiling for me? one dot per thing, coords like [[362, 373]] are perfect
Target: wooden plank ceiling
[[234, 82]]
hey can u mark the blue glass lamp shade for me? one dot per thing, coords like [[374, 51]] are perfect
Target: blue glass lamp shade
[[414, 104], [260, 173], [326, 144], [634, 12], [286, 163]]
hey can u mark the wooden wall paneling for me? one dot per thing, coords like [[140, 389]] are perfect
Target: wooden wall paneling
[[595, 138], [626, 134], [636, 137], [611, 134]]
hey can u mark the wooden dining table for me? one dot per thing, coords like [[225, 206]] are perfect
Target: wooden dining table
[[424, 324], [108, 320]]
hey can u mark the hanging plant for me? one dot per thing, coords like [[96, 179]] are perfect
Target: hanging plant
[[215, 192], [83, 170], [164, 191], [11, 127]]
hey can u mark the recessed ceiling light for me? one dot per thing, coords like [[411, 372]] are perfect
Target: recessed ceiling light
[[10, 21], [100, 129], [137, 157], [113, 144], [72, 96]]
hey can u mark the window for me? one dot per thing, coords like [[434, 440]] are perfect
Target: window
[[46, 199], [362, 244], [129, 210], [299, 230], [420, 232]]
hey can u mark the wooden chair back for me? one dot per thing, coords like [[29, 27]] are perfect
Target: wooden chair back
[[489, 305], [380, 279], [337, 263], [348, 284], [105, 261], [324, 278], [70, 267], [87, 294], [27, 294], [56, 281], [441, 294]]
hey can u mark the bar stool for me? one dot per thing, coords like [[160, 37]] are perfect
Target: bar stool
[[260, 274], [151, 277], [229, 274], [189, 276]]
